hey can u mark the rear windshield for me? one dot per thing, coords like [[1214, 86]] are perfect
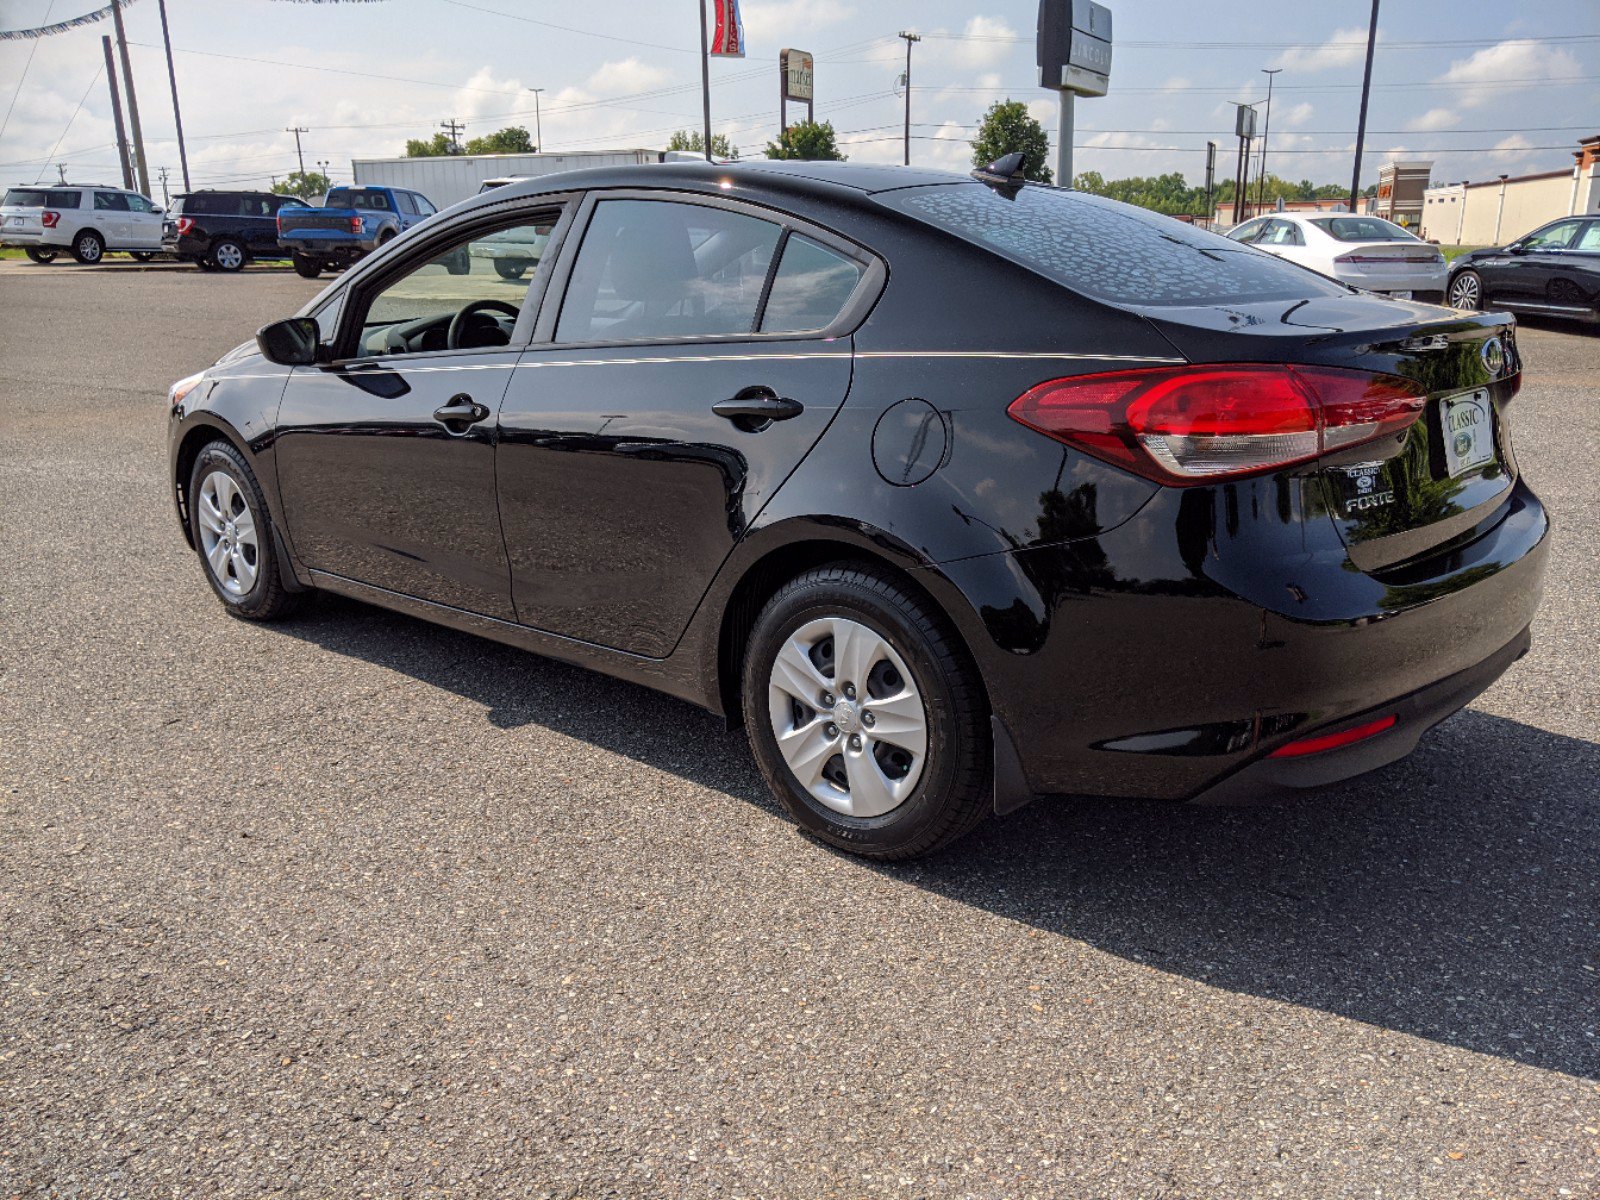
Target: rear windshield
[[1109, 250], [1363, 229], [352, 198], [41, 198]]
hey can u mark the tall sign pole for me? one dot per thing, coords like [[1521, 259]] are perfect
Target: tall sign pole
[[1211, 182], [1074, 53], [1266, 132], [705, 76], [726, 42], [116, 114], [133, 102], [1366, 90], [172, 82]]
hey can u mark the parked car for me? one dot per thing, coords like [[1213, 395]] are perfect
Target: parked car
[[224, 230], [1365, 252], [510, 253], [353, 221], [1158, 516], [88, 221], [1554, 271]]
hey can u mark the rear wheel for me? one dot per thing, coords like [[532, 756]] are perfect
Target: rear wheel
[[233, 535], [40, 256], [227, 255], [88, 247], [142, 255], [307, 268], [1466, 291], [865, 714]]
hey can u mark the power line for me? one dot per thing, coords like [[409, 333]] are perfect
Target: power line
[[1182, 45]]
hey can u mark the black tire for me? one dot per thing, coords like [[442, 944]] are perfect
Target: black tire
[[267, 598], [307, 268], [39, 256], [387, 236], [459, 262], [510, 268], [88, 247], [142, 255], [1465, 291], [955, 789], [228, 255], [202, 262]]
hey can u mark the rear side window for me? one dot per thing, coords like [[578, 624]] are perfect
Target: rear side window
[[1591, 237], [1280, 233], [110, 202], [41, 198], [811, 287], [1107, 250], [654, 269], [257, 206]]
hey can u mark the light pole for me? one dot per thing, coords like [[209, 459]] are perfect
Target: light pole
[[911, 40], [538, 124], [1366, 90], [1266, 132]]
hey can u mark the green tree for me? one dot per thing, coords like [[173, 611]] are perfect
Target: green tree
[[810, 140], [693, 139], [304, 184], [1007, 128], [436, 147], [513, 139]]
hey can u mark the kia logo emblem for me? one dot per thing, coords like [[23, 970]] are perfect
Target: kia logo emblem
[[1494, 356]]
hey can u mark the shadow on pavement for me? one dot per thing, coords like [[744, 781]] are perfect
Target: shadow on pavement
[[1450, 897]]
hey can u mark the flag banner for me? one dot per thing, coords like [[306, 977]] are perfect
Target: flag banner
[[729, 41], [44, 31]]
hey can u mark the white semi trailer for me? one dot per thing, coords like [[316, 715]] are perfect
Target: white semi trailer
[[457, 176]]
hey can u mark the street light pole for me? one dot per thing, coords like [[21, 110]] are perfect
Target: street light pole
[[538, 123], [1366, 90], [911, 40], [1266, 132]]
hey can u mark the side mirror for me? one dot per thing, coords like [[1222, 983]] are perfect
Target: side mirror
[[291, 343], [1516, 248]]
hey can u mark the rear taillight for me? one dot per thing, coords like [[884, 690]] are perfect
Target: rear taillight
[[1187, 425], [1332, 741], [185, 226], [355, 224], [49, 219], [1389, 258]]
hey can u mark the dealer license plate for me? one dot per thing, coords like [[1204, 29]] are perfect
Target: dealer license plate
[[1401, 295], [1468, 420]]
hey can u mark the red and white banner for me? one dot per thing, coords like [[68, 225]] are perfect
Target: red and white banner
[[729, 39]]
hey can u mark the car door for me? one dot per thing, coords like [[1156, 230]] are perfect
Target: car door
[[111, 218], [258, 223], [1578, 283], [144, 224], [386, 455], [697, 354], [1524, 273]]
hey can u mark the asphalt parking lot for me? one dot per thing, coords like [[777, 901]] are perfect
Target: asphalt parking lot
[[356, 906]]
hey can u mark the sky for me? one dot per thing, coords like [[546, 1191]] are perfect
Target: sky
[[1480, 87]]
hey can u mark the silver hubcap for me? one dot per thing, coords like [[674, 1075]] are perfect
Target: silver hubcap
[[1464, 292], [89, 248], [848, 717], [228, 533], [229, 257]]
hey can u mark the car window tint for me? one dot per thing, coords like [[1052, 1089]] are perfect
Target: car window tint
[[652, 269], [810, 288], [355, 198], [140, 204], [256, 206], [412, 314], [1590, 240], [1107, 250], [403, 199], [40, 198], [424, 205], [1552, 237], [110, 202]]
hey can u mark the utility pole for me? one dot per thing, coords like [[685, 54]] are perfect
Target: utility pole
[[61, 170], [1211, 183], [1266, 132], [1366, 90], [297, 130], [116, 113], [911, 40], [166, 197], [133, 102], [172, 82], [455, 127], [538, 124]]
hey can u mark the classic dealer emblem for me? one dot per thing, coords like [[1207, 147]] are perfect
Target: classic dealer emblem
[[1494, 357]]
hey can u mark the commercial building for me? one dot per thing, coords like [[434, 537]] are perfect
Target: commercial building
[[1402, 187], [1494, 211]]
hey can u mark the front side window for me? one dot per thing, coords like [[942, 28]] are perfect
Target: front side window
[[403, 199], [456, 300], [110, 202], [1551, 237], [659, 269], [1363, 229], [811, 287], [140, 204], [424, 208]]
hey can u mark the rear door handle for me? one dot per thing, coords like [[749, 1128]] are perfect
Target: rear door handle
[[757, 405], [462, 410]]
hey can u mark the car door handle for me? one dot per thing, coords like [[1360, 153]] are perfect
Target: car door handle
[[462, 410], [758, 405]]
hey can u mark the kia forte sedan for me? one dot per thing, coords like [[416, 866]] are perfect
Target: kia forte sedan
[[953, 491]]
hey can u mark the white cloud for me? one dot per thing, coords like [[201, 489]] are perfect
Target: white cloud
[[1434, 118], [766, 23], [1345, 47], [628, 75], [1294, 117], [1521, 60], [981, 46]]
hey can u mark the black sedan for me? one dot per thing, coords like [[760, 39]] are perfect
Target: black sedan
[[954, 491], [1553, 272]]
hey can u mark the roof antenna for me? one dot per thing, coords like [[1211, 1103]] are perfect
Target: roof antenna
[[1005, 174]]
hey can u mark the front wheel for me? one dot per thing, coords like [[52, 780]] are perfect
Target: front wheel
[[510, 268], [40, 256], [232, 532], [227, 255], [307, 268], [865, 714], [1466, 291]]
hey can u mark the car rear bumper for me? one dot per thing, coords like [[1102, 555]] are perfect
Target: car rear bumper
[[327, 243], [1430, 280]]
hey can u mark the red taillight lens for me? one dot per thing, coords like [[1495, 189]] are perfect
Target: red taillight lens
[[355, 224], [49, 219], [185, 226], [1187, 425], [1332, 741]]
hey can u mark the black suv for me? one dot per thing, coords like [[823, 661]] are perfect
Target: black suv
[[222, 231]]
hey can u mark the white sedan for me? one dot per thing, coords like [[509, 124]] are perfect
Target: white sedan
[[1365, 252]]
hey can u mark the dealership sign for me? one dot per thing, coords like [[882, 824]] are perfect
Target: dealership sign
[[797, 67]]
